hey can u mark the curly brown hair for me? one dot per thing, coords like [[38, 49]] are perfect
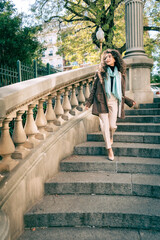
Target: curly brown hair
[[119, 62]]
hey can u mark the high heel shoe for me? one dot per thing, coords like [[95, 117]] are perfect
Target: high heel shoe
[[110, 154], [110, 159]]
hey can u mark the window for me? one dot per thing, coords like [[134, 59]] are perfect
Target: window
[[51, 53]]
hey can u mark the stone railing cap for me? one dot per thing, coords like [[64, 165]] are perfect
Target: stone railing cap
[[18, 94]]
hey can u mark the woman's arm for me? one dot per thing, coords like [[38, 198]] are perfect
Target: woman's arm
[[129, 101]]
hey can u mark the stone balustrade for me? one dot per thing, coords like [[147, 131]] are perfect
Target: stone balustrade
[[37, 108], [41, 121]]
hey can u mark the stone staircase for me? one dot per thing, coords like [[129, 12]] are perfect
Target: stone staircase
[[92, 198]]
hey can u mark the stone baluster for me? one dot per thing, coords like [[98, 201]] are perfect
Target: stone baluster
[[6, 148], [58, 109], [41, 120], [19, 137], [87, 90], [91, 81], [50, 115], [74, 101], [30, 128], [66, 106], [81, 98]]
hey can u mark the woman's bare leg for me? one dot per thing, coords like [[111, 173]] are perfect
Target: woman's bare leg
[[110, 154]]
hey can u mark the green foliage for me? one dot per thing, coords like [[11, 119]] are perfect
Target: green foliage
[[75, 45], [16, 41], [152, 38], [151, 9], [91, 13], [155, 78], [119, 27]]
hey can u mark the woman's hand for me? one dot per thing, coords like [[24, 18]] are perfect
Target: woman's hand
[[134, 103]]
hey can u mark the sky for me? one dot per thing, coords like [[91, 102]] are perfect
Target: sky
[[23, 5]]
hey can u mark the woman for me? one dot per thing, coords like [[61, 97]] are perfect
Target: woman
[[108, 95]]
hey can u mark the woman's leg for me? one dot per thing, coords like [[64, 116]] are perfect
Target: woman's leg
[[104, 124], [113, 108], [105, 128]]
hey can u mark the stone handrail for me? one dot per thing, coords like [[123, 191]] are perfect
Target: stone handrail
[[20, 98]]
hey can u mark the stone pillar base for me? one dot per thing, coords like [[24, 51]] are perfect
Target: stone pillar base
[[143, 96], [139, 78], [132, 52]]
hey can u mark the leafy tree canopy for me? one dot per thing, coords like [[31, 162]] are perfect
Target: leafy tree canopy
[[88, 15], [71, 38], [94, 13], [16, 42]]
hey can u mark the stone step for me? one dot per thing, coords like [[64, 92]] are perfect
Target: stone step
[[88, 233], [138, 127], [149, 105], [151, 111], [84, 163], [120, 149], [127, 137], [99, 211], [156, 100], [103, 183], [140, 119]]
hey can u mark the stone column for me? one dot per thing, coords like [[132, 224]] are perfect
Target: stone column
[[138, 64], [134, 27]]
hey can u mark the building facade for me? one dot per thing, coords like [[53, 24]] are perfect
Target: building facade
[[49, 39]]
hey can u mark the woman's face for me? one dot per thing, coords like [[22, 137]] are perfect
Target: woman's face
[[109, 60]]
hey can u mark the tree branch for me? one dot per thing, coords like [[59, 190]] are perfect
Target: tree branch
[[77, 20], [52, 17], [151, 28], [82, 17], [76, 12], [87, 2], [121, 49], [85, 28], [113, 4]]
